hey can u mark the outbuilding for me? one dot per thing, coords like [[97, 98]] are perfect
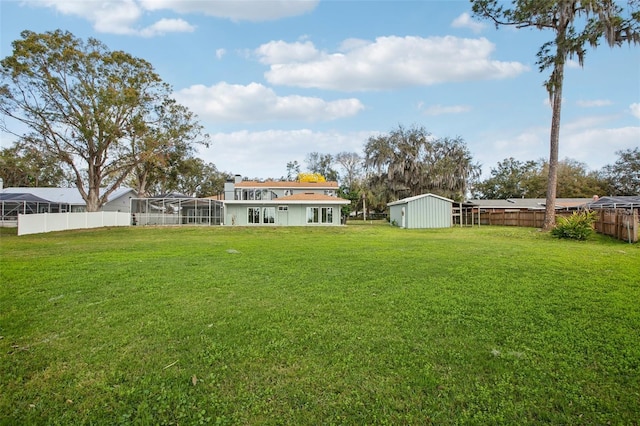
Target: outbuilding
[[421, 211]]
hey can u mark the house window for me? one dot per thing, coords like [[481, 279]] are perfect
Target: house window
[[330, 192], [261, 215], [288, 192], [253, 215], [319, 214], [268, 215], [283, 208]]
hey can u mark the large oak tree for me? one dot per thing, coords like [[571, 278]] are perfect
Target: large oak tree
[[101, 112], [411, 161], [574, 24]]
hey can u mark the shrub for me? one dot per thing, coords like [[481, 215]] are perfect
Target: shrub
[[578, 226]]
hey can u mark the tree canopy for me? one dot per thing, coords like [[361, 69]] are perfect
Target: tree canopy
[[508, 180], [515, 179], [310, 177], [623, 177], [101, 112], [24, 165], [575, 24], [411, 162], [322, 164]]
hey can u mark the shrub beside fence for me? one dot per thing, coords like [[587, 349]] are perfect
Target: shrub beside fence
[[49, 222]]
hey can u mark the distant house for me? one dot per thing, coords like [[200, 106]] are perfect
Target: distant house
[[63, 200], [421, 211], [630, 202], [282, 203]]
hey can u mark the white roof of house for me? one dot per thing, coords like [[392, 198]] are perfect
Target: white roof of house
[[62, 195], [417, 197]]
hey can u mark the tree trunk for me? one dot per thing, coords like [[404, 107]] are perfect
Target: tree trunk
[[92, 198], [92, 201], [554, 143]]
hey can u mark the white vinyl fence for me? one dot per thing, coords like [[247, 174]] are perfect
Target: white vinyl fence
[[48, 222]]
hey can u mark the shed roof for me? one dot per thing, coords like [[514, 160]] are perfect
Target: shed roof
[[416, 197]]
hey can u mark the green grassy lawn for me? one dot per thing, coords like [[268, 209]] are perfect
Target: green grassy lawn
[[361, 324]]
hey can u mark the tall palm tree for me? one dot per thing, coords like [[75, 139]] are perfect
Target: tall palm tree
[[598, 19]]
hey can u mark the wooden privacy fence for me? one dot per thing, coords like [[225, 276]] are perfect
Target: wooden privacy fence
[[524, 218], [618, 223]]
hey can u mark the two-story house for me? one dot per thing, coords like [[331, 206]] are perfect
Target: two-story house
[[283, 203]]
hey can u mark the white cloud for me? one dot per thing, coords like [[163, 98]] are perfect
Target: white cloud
[[220, 53], [265, 154], [442, 109], [593, 103], [530, 144], [586, 122], [352, 44], [254, 102], [635, 110], [236, 10], [164, 26], [116, 17], [597, 146], [387, 63], [278, 52], [586, 139], [465, 21], [122, 16]]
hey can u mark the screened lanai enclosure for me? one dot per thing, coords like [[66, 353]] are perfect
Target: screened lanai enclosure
[[176, 211], [13, 204]]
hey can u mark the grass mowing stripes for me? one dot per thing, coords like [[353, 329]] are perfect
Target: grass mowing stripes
[[360, 324]]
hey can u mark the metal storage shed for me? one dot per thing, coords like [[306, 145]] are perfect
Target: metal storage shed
[[421, 211]]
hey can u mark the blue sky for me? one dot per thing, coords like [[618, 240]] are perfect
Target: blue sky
[[272, 81]]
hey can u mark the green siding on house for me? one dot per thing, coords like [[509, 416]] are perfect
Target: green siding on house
[[285, 214]]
